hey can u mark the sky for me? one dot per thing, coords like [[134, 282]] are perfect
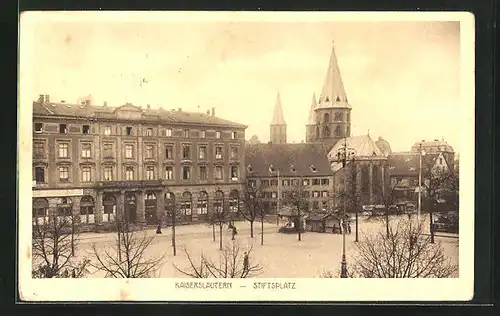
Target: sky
[[402, 79]]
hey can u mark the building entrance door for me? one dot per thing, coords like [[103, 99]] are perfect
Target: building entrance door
[[151, 207], [130, 208]]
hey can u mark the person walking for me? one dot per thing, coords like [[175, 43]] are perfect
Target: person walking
[[235, 232], [245, 262]]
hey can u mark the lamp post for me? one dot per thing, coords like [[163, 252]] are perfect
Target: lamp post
[[421, 153], [344, 154]]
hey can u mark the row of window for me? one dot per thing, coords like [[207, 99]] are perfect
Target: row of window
[[129, 131], [130, 173], [338, 132], [294, 182], [305, 194], [338, 117], [149, 153]]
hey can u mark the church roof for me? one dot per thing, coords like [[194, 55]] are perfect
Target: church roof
[[107, 112], [384, 146], [292, 160], [312, 115], [364, 148], [333, 92], [278, 118]]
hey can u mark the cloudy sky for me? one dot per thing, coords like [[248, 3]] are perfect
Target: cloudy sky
[[401, 78]]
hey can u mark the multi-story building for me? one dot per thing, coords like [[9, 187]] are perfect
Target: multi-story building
[[278, 168], [100, 161]]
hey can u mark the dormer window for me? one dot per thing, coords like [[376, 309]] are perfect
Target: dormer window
[[313, 168], [271, 169], [338, 99], [292, 168], [38, 127], [327, 100], [249, 168]]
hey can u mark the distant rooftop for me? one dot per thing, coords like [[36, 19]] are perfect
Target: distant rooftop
[[44, 107]]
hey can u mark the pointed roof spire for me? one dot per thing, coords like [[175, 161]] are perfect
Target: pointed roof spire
[[333, 92], [278, 118], [311, 120]]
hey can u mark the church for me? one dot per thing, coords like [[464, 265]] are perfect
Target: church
[[329, 126]]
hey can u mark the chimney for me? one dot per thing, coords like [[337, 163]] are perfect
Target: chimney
[[41, 98], [213, 111], [105, 103], [148, 106], [87, 102], [179, 109], [47, 98]]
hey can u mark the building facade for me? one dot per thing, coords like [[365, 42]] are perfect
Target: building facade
[[100, 161], [278, 168]]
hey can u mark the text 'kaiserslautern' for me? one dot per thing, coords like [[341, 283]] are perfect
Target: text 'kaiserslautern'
[[204, 285]]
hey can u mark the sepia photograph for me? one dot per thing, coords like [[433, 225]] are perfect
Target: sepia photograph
[[229, 156]]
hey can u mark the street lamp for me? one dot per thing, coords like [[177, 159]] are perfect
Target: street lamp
[[343, 155], [421, 153]]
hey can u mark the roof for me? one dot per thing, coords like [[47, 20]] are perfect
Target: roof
[[318, 217], [333, 92], [278, 118], [286, 158], [384, 146], [312, 117], [408, 163], [362, 146], [148, 114], [432, 146]]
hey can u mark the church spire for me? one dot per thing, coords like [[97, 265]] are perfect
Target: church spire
[[312, 114], [278, 118], [333, 92]]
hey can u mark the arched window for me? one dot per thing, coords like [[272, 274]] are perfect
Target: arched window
[[337, 131], [339, 116], [203, 203], [326, 117], [218, 201], [87, 209], [64, 206], [326, 131], [40, 211], [234, 199], [169, 201], [186, 203], [109, 203]]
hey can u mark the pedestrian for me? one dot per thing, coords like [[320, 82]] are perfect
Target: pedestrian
[[245, 262], [234, 232], [158, 228], [348, 228]]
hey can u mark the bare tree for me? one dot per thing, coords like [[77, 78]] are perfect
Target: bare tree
[[54, 242], [251, 204], [386, 196], [296, 199], [350, 193], [173, 214], [221, 216], [405, 253], [232, 263], [128, 259], [434, 182]]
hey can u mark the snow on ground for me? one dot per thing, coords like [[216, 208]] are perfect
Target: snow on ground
[[281, 256]]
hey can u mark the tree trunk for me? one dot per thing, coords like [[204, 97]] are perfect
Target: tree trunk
[[431, 225], [220, 237], [251, 229], [213, 231], [299, 223], [262, 230], [72, 234], [173, 235], [356, 224], [387, 223]]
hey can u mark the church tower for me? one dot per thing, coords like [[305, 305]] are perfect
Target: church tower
[[311, 122], [278, 124], [333, 112]]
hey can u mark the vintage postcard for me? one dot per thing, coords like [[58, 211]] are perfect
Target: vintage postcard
[[246, 156]]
